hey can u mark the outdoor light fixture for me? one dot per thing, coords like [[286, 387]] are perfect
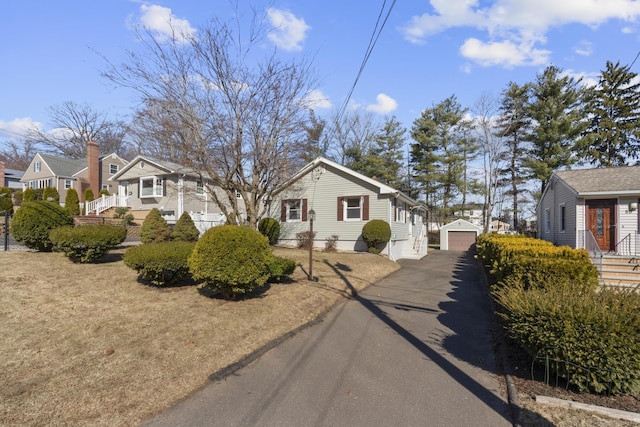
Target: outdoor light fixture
[[633, 206], [312, 217]]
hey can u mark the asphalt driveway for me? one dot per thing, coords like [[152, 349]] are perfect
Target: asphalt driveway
[[412, 350]]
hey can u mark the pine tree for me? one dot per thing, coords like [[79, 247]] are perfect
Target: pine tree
[[613, 136], [384, 160], [558, 122], [513, 125]]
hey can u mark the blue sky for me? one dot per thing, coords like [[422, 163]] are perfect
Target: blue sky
[[50, 51]]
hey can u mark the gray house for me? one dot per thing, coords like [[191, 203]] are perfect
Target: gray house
[[343, 201], [592, 208], [147, 183]]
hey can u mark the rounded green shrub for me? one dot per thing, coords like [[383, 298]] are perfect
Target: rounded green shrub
[[87, 243], [29, 195], [231, 260], [374, 233], [18, 197], [280, 267], [155, 228], [71, 202], [185, 230], [162, 263], [33, 222], [6, 204], [103, 192], [270, 227], [50, 194]]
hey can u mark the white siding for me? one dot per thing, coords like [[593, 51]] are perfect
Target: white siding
[[558, 194]]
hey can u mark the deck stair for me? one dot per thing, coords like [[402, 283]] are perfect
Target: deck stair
[[618, 270]]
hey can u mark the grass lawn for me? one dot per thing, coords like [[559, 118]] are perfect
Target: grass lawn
[[90, 345]]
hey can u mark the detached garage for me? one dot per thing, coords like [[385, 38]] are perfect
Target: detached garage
[[458, 235]]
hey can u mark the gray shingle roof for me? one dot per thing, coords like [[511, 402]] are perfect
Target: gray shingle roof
[[612, 180], [64, 167]]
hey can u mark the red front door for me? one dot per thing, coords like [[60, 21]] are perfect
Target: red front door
[[601, 222]]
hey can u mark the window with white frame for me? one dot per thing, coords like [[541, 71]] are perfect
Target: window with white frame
[[563, 218], [547, 220], [352, 208], [151, 187], [37, 167], [294, 210], [401, 209], [199, 188], [113, 168], [68, 184]]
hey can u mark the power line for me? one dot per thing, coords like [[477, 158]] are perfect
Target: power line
[[375, 35]]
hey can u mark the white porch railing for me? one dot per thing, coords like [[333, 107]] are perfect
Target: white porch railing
[[103, 203]]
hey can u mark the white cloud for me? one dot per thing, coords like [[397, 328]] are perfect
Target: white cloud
[[588, 79], [505, 53], [288, 31], [161, 21], [315, 99], [584, 48], [18, 128], [384, 104], [518, 26]]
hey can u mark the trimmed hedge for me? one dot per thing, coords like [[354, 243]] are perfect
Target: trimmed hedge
[[32, 223], [592, 337], [232, 260], [550, 304], [185, 229], [162, 263], [87, 243]]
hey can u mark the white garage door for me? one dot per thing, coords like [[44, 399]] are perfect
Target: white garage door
[[461, 240]]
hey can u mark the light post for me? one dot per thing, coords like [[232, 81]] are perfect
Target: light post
[[312, 217]]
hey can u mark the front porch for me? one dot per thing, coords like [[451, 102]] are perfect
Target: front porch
[[618, 266]]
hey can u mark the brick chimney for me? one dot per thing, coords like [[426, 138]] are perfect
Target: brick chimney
[[93, 167], [2, 182]]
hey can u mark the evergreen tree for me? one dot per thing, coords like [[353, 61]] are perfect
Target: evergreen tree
[[155, 228], [29, 195], [71, 202], [316, 144], [6, 204], [558, 122], [613, 135], [185, 230], [50, 194], [441, 150], [384, 159], [514, 123]]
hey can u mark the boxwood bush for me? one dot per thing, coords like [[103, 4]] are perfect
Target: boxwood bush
[[592, 337], [232, 260], [87, 243], [33, 222], [280, 267], [374, 233], [162, 263]]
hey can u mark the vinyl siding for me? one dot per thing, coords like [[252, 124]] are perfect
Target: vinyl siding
[[322, 196], [557, 195]]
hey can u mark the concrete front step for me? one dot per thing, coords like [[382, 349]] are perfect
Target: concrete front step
[[619, 270]]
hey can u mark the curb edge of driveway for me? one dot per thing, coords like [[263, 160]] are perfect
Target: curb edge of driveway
[[254, 355]]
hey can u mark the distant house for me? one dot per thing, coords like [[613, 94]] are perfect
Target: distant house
[[473, 213], [10, 178], [80, 174], [343, 201], [590, 208], [146, 183]]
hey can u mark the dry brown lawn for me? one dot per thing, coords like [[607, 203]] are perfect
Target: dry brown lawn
[[90, 345]]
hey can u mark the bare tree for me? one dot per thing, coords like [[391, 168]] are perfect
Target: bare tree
[[17, 154], [232, 115], [486, 110], [74, 125], [351, 136]]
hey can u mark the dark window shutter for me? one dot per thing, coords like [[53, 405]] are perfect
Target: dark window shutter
[[365, 208], [394, 206], [340, 209], [164, 187], [304, 210], [283, 211]]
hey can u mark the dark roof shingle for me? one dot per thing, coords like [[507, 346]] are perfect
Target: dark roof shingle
[[602, 180]]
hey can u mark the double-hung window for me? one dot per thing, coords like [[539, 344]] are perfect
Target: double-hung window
[[151, 186], [113, 168], [199, 188], [353, 208], [293, 210], [547, 220]]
